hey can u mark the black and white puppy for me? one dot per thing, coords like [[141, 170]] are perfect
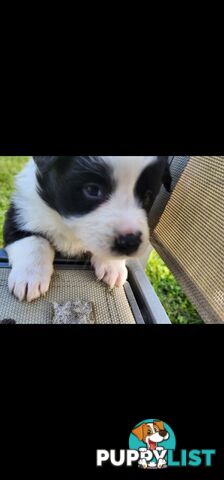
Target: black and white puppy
[[80, 204]]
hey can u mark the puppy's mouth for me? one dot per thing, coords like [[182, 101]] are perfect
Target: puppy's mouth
[[152, 445]]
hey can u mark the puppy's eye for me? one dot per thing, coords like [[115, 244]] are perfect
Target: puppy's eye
[[94, 191]]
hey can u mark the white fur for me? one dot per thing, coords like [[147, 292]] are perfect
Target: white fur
[[112, 272], [36, 216], [32, 257], [94, 231], [120, 215], [32, 267]]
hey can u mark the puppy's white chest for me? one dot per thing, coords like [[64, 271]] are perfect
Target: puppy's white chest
[[67, 244]]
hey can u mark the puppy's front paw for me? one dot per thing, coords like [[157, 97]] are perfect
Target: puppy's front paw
[[161, 463], [112, 272], [29, 284]]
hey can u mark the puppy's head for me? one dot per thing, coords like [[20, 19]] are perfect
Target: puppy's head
[[151, 433], [104, 200], [156, 433]]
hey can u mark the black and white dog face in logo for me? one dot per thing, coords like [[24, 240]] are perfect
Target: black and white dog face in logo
[[76, 204]]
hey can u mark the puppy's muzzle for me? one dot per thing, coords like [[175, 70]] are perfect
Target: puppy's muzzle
[[127, 244]]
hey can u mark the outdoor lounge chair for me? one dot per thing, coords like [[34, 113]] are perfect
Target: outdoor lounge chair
[[187, 228]]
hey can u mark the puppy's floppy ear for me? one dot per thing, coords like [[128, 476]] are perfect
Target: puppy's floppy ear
[[141, 432], [160, 425], [167, 179], [45, 163]]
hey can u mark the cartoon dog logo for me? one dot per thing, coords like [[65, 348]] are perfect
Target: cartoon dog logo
[[152, 434]]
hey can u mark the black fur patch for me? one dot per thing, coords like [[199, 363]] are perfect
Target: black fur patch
[[151, 180], [11, 230], [61, 184]]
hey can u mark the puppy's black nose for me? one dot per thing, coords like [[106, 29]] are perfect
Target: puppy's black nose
[[128, 244], [163, 433]]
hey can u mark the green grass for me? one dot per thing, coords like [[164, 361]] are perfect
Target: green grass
[[170, 293], [9, 167], [175, 302]]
